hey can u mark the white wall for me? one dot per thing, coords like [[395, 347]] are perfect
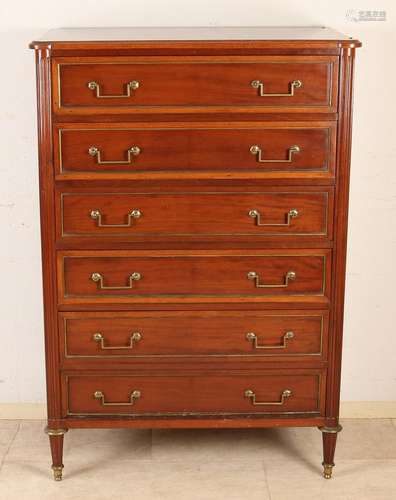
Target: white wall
[[370, 341]]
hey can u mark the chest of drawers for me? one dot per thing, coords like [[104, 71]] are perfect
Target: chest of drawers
[[194, 196]]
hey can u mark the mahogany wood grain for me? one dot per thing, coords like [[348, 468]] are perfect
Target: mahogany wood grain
[[194, 275], [178, 83], [174, 148], [47, 219], [250, 421], [206, 394], [190, 334], [186, 214], [341, 220], [329, 446], [195, 116], [56, 444]]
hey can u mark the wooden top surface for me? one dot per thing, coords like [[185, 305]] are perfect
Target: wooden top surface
[[132, 35]]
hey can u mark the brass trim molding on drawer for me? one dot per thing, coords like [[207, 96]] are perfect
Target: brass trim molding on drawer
[[75, 276], [240, 91], [316, 148], [162, 334], [99, 393], [191, 209]]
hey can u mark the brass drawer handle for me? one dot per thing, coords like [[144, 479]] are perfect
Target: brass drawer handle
[[256, 150], [135, 337], [133, 85], [252, 396], [290, 275], [132, 151], [258, 84], [134, 214], [134, 395], [255, 214], [252, 337], [98, 278]]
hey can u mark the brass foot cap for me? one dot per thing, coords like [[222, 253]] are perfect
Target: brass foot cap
[[327, 470], [57, 470]]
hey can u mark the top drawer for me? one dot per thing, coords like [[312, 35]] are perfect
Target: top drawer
[[195, 84]]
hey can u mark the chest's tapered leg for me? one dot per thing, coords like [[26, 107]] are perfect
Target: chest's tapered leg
[[56, 443], [329, 435]]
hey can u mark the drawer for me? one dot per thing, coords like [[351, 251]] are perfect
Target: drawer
[[130, 216], [115, 276], [156, 84], [284, 148], [193, 334], [153, 394]]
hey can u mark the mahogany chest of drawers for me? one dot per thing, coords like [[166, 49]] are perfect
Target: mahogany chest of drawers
[[194, 196]]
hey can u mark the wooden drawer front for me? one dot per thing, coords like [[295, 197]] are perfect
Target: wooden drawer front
[[129, 215], [192, 394], [127, 85], [115, 275], [175, 334], [102, 150]]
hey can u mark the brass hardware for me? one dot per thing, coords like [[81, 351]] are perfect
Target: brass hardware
[[134, 214], [255, 214], [295, 84], [285, 394], [331, 430], [256, 150], [290, 275], [135, 337], [57, 470], [327, 470], [98, 278], [132, 151], [252, 337], [134, 395], [133, 85], [55, 432]]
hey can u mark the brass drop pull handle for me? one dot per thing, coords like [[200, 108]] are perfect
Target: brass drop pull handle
[[291, 214], [290, 275], [252, 337], [132, 151], [134, 395], [98, 278], [252, 396], [133, 214], [133, 85], [257, 151], [258, 84], [135, 337]]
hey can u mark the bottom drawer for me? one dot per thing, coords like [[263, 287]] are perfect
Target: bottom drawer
[[285, 393]]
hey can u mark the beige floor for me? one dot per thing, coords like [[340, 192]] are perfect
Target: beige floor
[[275, 464]]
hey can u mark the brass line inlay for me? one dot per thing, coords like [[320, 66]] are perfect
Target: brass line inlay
[[330, 66], [64, 257], [249, 355], [138, 213], [159, 414], [325, 168]]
